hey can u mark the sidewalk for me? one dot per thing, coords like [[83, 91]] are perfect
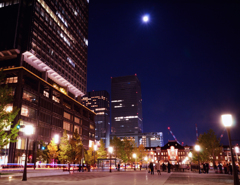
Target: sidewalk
[[34, 173]]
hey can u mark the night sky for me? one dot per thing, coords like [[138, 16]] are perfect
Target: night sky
[[186, 58]]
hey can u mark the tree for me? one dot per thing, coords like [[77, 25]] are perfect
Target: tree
[[210, 147], [42, 153], [64, 148], [141, 152], [101, 153], [127, 148], [52, 150], [117, 144], [76, 147], [90, 155], [8, 133]]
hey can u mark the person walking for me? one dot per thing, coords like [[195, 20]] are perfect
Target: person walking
[[230, 168], [151, 168], [163, 167], [207, 167], [118, 167], [225, 168], [158, 168], [169, 167], [220, 168], [204, 167]]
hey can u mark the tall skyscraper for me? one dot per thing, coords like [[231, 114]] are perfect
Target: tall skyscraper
[[43, 51], [98, 102], [50, 36], [126, 105]]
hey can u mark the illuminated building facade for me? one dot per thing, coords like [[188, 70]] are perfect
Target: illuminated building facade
[[98, 102], [126, 105], [171, 152], [43, 51], [175, 153]]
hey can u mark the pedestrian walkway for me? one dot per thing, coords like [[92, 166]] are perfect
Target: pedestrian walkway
[[123, 178]]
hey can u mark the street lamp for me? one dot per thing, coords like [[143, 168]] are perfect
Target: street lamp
[[56, 141], [227, 122], [237, 151], [110, 150], [95, 149], [197, 148], [190, 156], [56, 138], [135, 156], [28, 130]]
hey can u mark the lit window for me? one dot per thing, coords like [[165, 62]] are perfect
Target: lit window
[[76, 120], [46, 94], [70, 61], [66, 125], [12, 80], [28, 112], [8, 108], [99, 109], [30, 97], [100, 113], [54, 98], [113, 101], [91, 126], [67, 115], [62, 19]]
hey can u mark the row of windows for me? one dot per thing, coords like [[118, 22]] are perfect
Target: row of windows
[[55, 27]]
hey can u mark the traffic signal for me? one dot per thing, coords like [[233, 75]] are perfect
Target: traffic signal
[[43, 148], [18, 126]]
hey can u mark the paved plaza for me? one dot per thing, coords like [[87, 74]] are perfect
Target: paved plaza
[[121, 178]]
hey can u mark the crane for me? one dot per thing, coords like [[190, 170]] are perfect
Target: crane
[[196, 132], [173, 135]]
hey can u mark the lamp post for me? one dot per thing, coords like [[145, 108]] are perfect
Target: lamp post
[[134, 156], [197, 148], [56, 141], [237, 151], [28, 130], [190, 157], [227, 122], [110, 150], [95, 148]]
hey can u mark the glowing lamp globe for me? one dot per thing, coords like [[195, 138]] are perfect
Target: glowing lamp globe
[[145, 18], [227, 120], [134, 155], [28, 130], [197, 148], [110, 149]]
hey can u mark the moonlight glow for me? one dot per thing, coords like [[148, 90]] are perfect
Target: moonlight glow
[[145, 18]]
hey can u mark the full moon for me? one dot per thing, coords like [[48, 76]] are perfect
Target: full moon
[[145, 18]]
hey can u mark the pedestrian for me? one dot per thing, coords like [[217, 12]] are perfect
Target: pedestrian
[[230, 168], [118, 167], [79, 167], [204, 167], [225, 168], [169, 167], [207, 167], [151, 168], [220, 168], [163, 167], [140, 167], [158, 168]]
